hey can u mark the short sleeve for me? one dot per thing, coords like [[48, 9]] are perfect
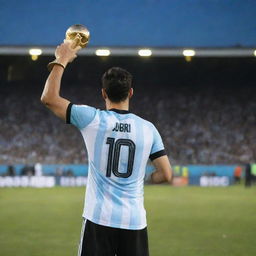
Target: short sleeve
[[157, 149], [80, 115]]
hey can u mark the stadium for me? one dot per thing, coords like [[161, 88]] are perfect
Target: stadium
[[193, 68]]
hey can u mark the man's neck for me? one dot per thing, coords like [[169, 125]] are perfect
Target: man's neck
[[123, 105]]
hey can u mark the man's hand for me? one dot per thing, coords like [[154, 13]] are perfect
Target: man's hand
[[65, 53]]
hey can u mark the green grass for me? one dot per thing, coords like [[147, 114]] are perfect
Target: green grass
[[189, 221]]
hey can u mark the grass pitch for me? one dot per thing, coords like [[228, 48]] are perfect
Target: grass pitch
[[188, 221]]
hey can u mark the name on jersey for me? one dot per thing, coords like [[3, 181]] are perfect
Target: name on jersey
[[121, 127]]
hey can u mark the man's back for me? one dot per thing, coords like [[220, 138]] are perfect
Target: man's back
[[119, 145]]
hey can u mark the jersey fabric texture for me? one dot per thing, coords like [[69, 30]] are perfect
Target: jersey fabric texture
[[119, 145]]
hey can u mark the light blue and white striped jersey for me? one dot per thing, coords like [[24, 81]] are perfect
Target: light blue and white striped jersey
[[119, 145]]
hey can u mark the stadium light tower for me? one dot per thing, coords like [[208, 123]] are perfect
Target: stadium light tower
[[145, 52], [35, 52], [189, 53], [102, 52]]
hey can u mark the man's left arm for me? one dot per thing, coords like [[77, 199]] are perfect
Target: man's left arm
[[51, 94]]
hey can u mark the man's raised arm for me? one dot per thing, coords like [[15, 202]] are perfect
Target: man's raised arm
[[51, 94]]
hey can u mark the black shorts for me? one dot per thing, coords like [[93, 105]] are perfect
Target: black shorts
[[98, 240]]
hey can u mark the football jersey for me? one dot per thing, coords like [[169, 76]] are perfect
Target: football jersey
[[119, 145]]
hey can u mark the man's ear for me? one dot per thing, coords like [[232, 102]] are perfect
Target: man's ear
[[130, 93], [104, 94]]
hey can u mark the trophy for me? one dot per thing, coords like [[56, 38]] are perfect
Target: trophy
[[79, 34]]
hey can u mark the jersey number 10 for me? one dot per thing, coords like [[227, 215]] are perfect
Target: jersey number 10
[[114, 155]]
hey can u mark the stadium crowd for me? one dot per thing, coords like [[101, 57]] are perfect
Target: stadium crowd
[[210, 125]]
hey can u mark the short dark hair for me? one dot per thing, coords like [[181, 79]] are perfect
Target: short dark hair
[[117, 82]]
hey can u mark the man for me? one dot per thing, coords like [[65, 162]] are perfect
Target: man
[[238, 174], [248, 175], [119, 144]]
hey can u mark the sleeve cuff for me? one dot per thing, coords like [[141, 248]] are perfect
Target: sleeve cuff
[[68, 113], [157, 154]]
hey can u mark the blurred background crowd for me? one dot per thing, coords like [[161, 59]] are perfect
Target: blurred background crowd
[[201, 122]]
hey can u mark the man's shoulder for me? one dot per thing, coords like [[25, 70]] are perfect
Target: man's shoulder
[[143, 121]]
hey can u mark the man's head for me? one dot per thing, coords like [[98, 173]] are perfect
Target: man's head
[[116, 84]]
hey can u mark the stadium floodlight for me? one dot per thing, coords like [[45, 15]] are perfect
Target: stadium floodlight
[[102, 52], [145, 52], [35, 52], [254, 53], [189, 53]]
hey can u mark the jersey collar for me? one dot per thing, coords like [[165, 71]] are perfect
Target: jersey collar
[[120, 111]]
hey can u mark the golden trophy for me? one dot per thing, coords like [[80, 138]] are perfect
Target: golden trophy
[[80, 36]]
